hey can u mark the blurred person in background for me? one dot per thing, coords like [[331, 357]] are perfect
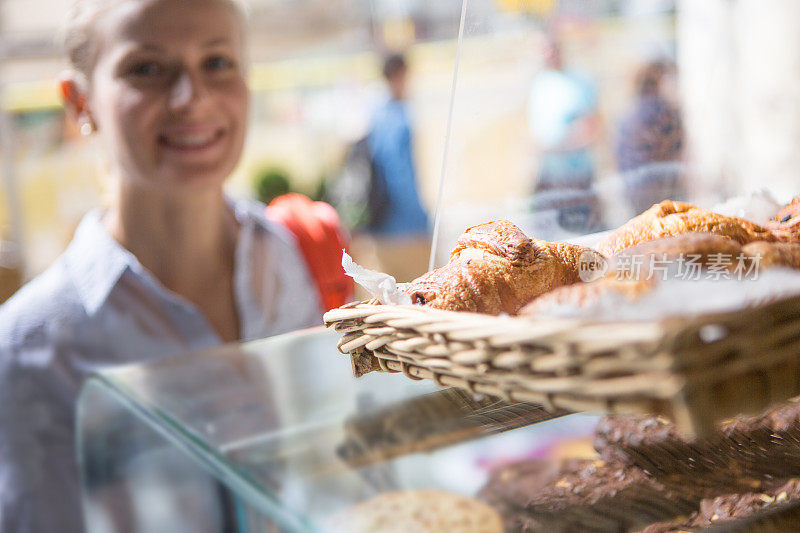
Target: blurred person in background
[[169, 265], [650, 140], [400, 235], [564, 125]]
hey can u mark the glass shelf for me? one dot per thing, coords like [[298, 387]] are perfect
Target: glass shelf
[[278, 435]]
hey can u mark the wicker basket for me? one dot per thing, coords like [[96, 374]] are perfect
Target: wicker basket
[[695, 370]]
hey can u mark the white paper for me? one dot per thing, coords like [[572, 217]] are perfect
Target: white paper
[[758, 206], [382, 286], [685, 297]]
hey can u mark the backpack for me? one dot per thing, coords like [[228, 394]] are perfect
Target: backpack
[[359, 193], [318, 233]]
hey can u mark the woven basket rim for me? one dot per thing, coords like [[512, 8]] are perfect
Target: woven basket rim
[[669, 322], [695, 368]]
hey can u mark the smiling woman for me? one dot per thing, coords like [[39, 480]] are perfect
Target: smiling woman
[[166, 91], [169, 264]]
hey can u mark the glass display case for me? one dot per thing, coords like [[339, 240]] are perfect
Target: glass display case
[[566, 118], [277, 435]]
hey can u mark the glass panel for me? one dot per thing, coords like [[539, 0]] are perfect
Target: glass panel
[[134, 479], [566, 117], [283, 423]]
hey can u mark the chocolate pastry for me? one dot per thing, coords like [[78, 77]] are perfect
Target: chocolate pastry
[[670, 218], [728, 507], [495, 268], [743, 449], [583, 495]]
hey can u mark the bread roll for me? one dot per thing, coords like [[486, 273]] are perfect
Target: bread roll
[[418, 511]]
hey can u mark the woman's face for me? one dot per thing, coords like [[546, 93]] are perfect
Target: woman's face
[[167, 91]]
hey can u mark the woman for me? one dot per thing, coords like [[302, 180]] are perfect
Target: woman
[[170, 265]]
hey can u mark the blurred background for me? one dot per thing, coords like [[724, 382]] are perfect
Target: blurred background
[[726, 120]]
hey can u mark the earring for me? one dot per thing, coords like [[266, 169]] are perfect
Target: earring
[[87, 129]]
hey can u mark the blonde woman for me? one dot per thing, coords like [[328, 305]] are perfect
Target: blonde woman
[[169, 265]]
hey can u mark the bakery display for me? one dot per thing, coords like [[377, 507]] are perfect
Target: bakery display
[[670, 218], [691, 367], [651, 478], [420, 511], [495, 268]]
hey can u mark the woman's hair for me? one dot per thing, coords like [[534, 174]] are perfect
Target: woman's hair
[[77, 35]]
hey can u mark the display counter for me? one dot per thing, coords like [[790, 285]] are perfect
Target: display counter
[[277, 435]]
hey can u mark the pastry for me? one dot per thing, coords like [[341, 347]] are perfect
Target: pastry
[[728, 507], [746, 447], [583, 495], [635, 271], [584, 294], [420, 511], [670, 218], [774, 254], [701, 248], [495, 268], [786, 224]]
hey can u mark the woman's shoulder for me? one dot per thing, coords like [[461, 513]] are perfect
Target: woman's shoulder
[[41, 307]]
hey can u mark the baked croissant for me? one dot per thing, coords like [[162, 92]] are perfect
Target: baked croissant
[[495, 268], [625, 279], [700, 248], [670, 218], [772, 254], [786, 224], [583, 294], [709, 249]]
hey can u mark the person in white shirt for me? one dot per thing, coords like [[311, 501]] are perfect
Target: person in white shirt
[[169, 265]]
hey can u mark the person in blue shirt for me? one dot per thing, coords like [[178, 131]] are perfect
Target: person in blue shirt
[[169, 265], [401, 235]]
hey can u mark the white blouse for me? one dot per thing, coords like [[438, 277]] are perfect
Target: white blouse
[[95, 307]]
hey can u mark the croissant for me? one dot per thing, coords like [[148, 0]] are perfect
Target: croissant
[[786, 224], [670, 218], [495, 268], [677, 254], [705, 249], [583, 294], [772, 254]]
